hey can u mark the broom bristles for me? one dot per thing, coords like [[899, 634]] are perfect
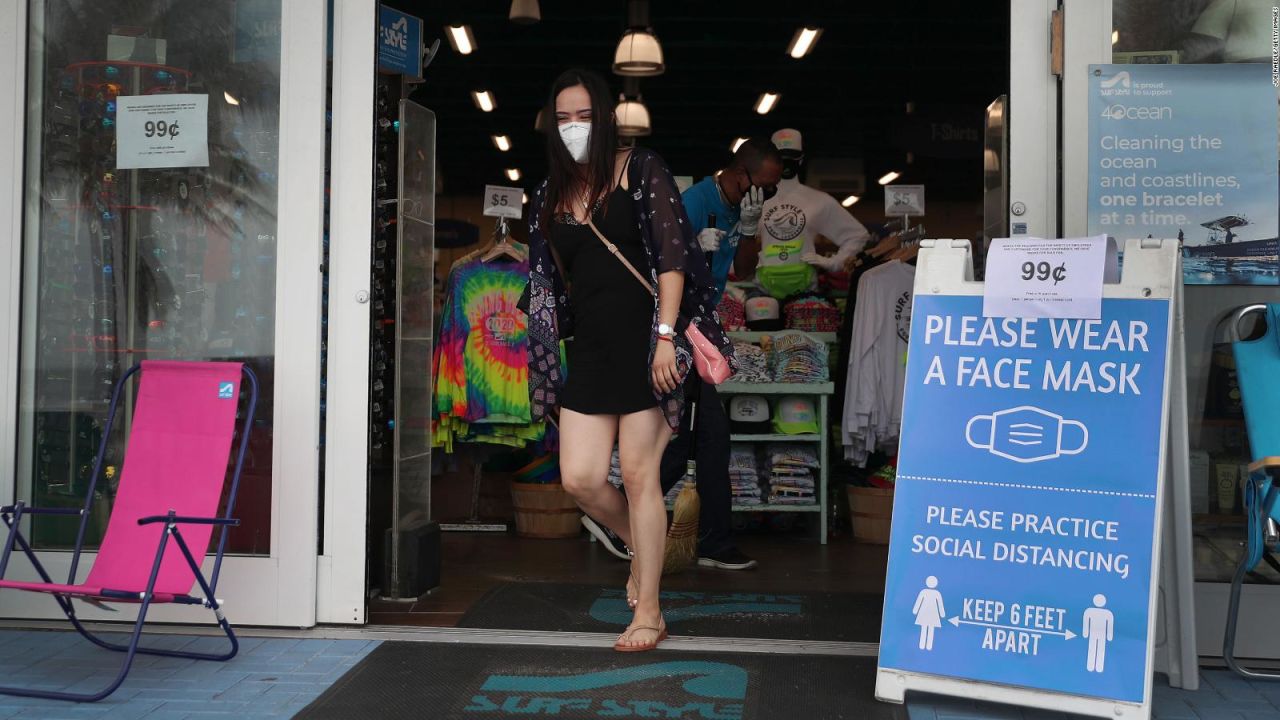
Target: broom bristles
[[682, 535]]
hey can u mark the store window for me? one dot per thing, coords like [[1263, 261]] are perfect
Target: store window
[[152, 152], [1210, 31]]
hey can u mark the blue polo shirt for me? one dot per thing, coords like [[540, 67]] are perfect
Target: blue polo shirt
[[701, 199]]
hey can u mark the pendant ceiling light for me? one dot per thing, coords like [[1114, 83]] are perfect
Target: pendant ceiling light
[[633, 117], [639, 53], [524, 12]]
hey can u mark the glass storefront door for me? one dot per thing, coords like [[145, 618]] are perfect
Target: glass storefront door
[[177, 235]]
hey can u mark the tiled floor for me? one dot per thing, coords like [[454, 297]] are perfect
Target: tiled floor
[[1223, 695], [270, 678]]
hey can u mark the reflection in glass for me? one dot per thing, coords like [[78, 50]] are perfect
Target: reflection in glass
[[124, 265]]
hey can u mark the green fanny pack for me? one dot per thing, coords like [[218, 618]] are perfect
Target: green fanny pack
[[782, 281]]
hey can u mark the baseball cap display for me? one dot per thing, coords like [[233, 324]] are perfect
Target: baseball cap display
[[796, 416], [749, 414], [763, 313], [788, 139]]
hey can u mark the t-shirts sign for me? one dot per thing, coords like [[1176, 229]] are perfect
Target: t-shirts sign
[[1025, 510], [162, 131]]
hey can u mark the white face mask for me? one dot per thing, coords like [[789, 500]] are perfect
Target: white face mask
[[576, 136]]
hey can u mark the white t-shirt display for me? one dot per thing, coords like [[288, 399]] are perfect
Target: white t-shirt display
[[877, 361], [794, 217]]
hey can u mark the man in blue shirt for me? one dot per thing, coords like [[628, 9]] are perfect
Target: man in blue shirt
[[736, 196]]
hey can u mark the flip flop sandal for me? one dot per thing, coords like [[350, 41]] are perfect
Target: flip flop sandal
[[631, 601], [662, 635]]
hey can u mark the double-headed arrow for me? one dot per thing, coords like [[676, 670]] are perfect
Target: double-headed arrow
[[1067, 634]]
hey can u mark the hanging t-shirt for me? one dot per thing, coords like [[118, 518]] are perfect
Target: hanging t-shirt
[[792, 220], [482, 372], [877, 370]]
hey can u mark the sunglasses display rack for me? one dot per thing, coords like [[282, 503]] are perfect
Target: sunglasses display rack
[[382, 282], [134, 264]]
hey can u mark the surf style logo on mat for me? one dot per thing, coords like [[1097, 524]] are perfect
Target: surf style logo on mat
[[694, 690]]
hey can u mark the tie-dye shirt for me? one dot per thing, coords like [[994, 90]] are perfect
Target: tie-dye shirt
[[481, 359]]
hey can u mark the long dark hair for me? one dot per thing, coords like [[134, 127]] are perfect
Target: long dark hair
[[597, 173]]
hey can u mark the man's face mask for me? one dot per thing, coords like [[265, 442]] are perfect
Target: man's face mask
[[769, 192], [1027, 434]]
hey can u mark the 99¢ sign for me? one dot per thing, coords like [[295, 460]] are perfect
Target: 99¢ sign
[[162, 131]]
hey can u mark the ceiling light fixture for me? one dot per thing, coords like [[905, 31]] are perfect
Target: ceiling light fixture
[[461, 38], [524, 12], [231, 99], [513, 174], [524, 198], [737, 144], [632, 115], [889, 177], [484, 100], [502, 142], [849, 201], [803, 42], [639, 53], [766, 102]]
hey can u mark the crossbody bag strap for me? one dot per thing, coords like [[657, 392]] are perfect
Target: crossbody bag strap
[[618, 254]]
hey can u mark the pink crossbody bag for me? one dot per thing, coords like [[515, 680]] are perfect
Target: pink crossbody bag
[[710, 363]]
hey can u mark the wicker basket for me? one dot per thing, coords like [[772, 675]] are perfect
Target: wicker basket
[[870, 512], [544, 510]]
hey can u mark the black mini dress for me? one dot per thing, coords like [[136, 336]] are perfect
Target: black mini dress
[[613, 314]]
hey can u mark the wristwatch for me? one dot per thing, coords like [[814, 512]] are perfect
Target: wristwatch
[[666, 331]]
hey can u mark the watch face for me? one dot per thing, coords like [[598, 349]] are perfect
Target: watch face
[[664, 329]]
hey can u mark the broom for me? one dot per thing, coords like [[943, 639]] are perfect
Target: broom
[[682, 534]]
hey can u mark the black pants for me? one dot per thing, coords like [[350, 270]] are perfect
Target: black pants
[[712, 455]]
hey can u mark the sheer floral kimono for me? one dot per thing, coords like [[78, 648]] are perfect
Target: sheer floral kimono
[[669, 241]]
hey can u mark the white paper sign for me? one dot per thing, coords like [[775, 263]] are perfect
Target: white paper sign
[[502, 201], [902, 200], [1033, 277], [162, 131]]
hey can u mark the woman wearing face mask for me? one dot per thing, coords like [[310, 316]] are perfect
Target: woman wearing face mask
[[626, 359]]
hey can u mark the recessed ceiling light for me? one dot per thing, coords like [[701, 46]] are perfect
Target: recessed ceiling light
[[461, 38], [513, 174], [849, 201], [766, 102], [803, 42], [231, 99], [889, 177], [524, 198], [737, 144], [1115, 36], [484, 100], [502, 142]]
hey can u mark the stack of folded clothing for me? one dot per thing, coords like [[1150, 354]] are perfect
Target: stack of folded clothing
[[799, 358], [791, 474], [744, 475], [753, 364], [811, 313], [732, 311]]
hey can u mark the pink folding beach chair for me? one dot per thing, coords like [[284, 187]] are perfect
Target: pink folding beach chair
[[175, 470]]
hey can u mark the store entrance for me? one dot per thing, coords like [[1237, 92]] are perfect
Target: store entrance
[[811, 452]]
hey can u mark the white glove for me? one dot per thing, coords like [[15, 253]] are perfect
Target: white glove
[[830, 264], [709, 239], [751, 208]]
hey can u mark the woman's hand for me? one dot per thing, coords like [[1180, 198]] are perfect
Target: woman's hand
[[664, 374]]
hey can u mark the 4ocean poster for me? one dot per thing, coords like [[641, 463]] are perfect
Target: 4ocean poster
[[1189, 151]]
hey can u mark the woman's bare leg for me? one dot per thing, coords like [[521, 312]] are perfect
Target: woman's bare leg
[[586, 444], [642, 437]]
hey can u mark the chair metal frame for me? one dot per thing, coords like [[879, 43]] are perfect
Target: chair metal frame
[[1267, 534], [12, 516]]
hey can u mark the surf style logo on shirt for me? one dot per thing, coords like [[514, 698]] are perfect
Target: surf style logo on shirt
[[785, 221]]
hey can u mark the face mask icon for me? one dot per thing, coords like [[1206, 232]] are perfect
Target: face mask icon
[[1026, 434]]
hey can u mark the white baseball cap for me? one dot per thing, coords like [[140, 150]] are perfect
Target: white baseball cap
[[788, 139], [749, 414]]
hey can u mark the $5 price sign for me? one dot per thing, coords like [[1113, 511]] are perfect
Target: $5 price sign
[[1044, 271], [160, 128]]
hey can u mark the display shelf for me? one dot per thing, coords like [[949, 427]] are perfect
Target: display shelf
[[773, 437], [753, 336], [741, 388], [769, 508]]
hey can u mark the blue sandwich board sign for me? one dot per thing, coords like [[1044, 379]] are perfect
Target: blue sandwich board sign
[[1026, 514], [399, 42]]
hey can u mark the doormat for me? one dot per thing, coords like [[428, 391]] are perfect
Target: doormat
[[555, 607], [451, 682]]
